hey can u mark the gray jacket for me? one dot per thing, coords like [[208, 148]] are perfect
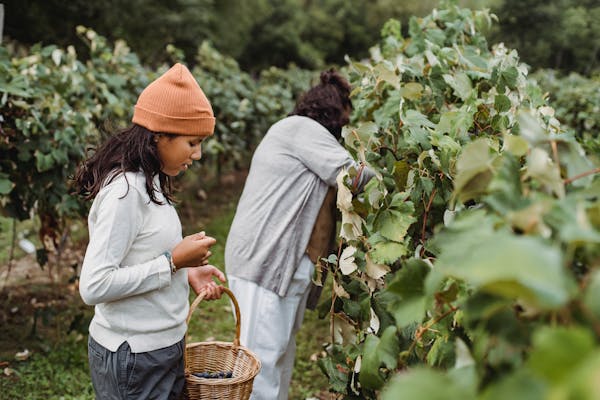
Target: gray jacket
[[291, 170]]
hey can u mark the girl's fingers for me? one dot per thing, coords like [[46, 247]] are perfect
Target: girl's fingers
[[219, 274], [213, 291]]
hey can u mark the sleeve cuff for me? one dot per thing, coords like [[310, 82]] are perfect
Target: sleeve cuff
[[164, 272]]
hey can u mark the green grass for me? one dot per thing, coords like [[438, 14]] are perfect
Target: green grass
[[58, 369], [59, 373]]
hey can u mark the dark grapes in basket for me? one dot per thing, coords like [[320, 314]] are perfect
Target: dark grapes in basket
[[213, 375]]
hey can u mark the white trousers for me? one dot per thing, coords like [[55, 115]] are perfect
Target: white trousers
[[268, 327]]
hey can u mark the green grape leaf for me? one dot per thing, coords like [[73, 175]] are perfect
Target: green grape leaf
[[456, 122], [530, 128], [461, 84], [502, 103], [522, 384], [525, 268], [378, 352], [337, 378], [474, 170], [591, 296], [559, 346], [413, 118], [5, 184], [387, 252], [393, 224], [570, 220], [425, 384], [441, 353], [408, 288]]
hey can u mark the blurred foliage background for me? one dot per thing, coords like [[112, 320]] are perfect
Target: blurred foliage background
[[563, 35], [439, 91]]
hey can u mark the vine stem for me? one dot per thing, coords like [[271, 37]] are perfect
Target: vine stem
[[11, 253], [582, 175], [331, 326], [426, 214], [391, 151], [421, 330], [555, 152]]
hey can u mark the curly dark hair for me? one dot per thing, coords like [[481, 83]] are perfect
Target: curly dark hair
[[327, 103], [129, 150]]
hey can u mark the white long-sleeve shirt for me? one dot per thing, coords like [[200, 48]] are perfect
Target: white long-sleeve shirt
[[125, 274]]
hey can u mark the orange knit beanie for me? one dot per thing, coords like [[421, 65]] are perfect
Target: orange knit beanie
[[175, 103]]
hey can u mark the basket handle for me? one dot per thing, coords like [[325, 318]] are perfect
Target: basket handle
[[200, 297]]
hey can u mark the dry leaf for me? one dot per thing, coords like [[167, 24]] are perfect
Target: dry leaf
[[347, 265]]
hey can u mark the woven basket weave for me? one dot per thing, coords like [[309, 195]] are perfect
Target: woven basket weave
[[219, 357]]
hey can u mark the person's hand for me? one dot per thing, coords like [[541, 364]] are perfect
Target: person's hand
[[193, 250], [200, 279]]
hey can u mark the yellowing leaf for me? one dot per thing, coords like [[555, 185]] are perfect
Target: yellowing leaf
[[386, 74], [516, 145], [541, 167], [374, 270], [474, 167], [351, 227], [343, 330], [400, 173], [411, 91], [344, 195], [339, 290], [531, 219], [547, 111]]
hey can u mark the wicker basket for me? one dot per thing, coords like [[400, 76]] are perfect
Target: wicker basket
[[214, 357]]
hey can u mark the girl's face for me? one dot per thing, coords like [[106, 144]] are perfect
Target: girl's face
[[177, 152]]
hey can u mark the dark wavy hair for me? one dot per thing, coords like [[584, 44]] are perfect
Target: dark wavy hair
[[129, 150], [327, 102]]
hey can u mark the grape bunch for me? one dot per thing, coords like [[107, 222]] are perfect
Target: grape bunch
[[213, 375]]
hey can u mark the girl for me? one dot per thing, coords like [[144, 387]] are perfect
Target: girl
[[137, 267]]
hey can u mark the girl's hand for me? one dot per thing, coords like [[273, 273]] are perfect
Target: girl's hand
[[200, 279], [193, 250]]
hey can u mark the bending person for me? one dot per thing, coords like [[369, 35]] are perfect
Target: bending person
[[266, 259]]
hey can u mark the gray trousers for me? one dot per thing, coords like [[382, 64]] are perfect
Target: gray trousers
[[123, 375]]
